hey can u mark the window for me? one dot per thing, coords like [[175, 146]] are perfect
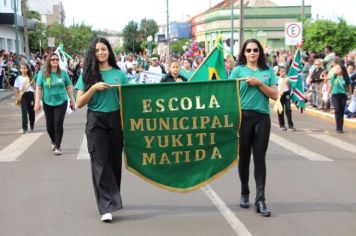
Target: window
[[2, 44], [10, 45]]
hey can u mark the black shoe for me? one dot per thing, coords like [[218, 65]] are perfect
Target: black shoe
[[244, 202], [262, 209]]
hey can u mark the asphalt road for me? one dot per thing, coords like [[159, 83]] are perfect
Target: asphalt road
[[311, 187]]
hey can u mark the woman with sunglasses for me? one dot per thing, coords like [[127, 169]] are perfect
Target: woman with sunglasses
[[258, 84], [55, 86], [96, 87]]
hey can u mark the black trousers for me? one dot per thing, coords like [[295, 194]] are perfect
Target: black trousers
[[54, 122], [254, 136], [339, 103], [105, 142], [285, 101], [27, 108]]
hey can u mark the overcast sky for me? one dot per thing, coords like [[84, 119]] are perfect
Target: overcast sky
[[115, 14]]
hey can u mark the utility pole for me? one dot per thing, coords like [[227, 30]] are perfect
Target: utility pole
[[232, 28], [302, 11], [17, 33], [241, 39], [24, 14], [168, 39]]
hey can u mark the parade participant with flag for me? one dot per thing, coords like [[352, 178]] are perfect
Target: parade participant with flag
[[213, 66], [97, 87], [296, 81], [258, 84], [56, 87]]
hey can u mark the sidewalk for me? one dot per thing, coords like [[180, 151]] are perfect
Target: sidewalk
[[350, 123], [6, 94]]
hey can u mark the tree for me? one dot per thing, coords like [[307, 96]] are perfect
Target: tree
[[80, 38], [320, 33], [148, 28], [131, 37], [177, 46]]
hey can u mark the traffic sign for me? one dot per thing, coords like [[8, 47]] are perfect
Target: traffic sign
[[293, 33]]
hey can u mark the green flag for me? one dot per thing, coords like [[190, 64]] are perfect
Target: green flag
[[213, 67], [296, 81], [177, 140]]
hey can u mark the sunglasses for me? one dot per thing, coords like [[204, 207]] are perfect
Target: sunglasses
[[54, 59], [255, 50]]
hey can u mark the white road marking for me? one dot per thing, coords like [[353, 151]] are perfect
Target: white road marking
[[37, 118], [19, 146], [239, 228], [297, 149], [336, 142], [83, 150]]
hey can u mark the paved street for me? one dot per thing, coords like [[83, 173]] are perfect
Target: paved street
[[311, 179]]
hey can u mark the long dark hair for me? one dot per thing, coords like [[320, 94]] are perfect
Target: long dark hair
[[91, 74], [29, 72], [262, 64], [47, 66], [345, 75]]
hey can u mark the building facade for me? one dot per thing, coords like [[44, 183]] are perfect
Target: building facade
[[51, 11], [263, 20], [8, 19]]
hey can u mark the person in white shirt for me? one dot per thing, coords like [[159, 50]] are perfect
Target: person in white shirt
[[25, 96], [155, 67], [284, 93]]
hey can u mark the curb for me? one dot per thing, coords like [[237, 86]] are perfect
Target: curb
[[350, 123], [6, 95]]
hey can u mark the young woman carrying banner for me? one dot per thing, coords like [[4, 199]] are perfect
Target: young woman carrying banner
[[259, 85], [56, 87], [103, 128]]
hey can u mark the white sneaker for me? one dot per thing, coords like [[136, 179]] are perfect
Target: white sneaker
[[57, 151], [107, 217], [53, 146]]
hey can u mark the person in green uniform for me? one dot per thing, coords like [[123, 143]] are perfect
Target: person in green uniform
[[258, 84], [54, 87], [97, 89], [339, 87], [187, 70]]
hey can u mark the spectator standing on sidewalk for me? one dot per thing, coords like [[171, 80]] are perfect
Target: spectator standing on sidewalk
[[340, 89], [316, 84]]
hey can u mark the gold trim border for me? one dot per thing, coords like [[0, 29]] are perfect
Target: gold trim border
[[202, 184]]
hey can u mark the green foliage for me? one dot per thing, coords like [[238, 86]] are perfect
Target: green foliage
[[76, 38], [118, 50], [131, 37], [81, 35], [177, 46], [320, 33], [148, 27], [34, 15], [37, 37], [135, 36]]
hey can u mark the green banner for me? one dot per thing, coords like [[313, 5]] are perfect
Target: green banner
[[180, 136]]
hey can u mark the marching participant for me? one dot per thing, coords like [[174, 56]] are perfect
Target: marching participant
[[103, 127], [255, 91]]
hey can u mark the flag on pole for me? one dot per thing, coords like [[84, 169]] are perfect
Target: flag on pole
[[63, 55], [213, 66], [296, 81]]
